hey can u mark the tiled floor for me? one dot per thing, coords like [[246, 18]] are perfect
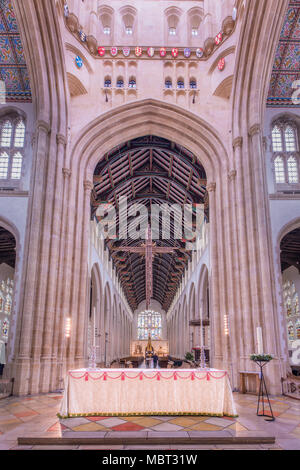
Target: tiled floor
[[36, 417]]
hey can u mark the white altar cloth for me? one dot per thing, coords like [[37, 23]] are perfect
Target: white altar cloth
[[125, 392]]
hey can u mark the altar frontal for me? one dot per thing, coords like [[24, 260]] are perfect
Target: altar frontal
[[132, 392]]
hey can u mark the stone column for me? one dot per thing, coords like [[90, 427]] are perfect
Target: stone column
[[82, 298], [25, 366], [51, 321]]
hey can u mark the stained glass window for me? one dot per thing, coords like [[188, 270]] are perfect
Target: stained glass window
[[4, 160], [5, 329], [291, 302], [168, 83], [6, 134], [20, 135], [16, 169], [149, 322], [277, 139], [12, 137], [279, 170], [293, 170], [290, 139]]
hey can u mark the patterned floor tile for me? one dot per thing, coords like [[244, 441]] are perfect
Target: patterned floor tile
[[94, 427], [237, 427], [25, 414], [97, 418], [128, 427], [205, 427], [184, 422], [167, 427], [218, 422], [111, 422], [147, 422]]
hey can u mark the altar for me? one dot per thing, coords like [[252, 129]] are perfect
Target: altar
[[119, 392]]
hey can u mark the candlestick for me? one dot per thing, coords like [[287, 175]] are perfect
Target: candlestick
[[259, 340], [94, 329]]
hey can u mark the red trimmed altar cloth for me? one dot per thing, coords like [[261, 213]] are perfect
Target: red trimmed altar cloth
[[153, 392]]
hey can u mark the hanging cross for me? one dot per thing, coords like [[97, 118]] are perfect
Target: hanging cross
[[149, 250]]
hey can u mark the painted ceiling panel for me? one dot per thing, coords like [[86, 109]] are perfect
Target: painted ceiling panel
[[13, 70], [286, 68]]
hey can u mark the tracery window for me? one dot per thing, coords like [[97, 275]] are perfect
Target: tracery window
[[12, 142], [168, 83], [149, 322], [286, 162], [6, 296], [291, 303]]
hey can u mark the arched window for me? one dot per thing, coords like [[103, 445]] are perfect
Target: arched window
[[149, 322], [107, 82], [277, 139], [279, 170], [4, 159], [293, 176], [12, 141], [20, 135], [290, 139], [285, 147], [193, 83], [120, 83], [6, 133], [168, 83], [180, 83], [132, 83]]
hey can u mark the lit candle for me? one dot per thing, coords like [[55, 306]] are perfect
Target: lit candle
[[259, 340]]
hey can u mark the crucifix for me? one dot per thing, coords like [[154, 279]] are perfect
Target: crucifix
[[149, 250]]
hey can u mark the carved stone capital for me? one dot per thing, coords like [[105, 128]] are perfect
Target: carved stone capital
[[232, 175], [72, 22], [66, 172], [238, 142], [43, 126], [211, 187], [228, 25], [209, 46], [88, 186], [92, 44], [61, 140], [254, 130]]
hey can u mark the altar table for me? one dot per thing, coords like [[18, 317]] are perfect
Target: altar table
[[153, 392]]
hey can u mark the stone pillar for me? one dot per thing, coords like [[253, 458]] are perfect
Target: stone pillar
[[25, 366], [51, 317], [82, 299]]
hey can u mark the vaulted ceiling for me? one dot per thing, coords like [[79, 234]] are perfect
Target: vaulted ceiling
[[149, 170], [286, 68], [13, 70]]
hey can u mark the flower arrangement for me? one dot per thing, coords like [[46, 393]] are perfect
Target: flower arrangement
[[261, 357]]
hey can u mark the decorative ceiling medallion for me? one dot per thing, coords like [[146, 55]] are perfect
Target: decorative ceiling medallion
[[163, 52], [126, 51], [150, 51], [219, 39], [221, 64], [175, 52], [138, 51], [187, 52], [114, 51], [101, 51], [79, 62], [199, 52]]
